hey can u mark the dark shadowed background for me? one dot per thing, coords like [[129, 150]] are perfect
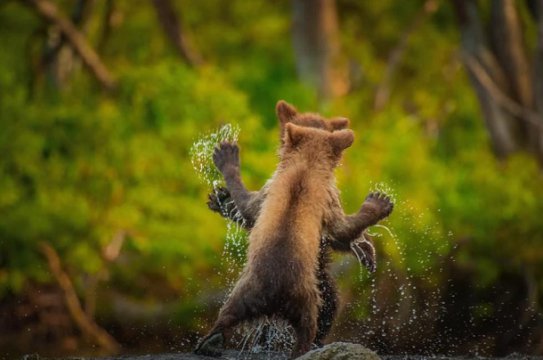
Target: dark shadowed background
[[107, 245]]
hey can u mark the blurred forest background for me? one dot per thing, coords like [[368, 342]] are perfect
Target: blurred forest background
[[107, 245]]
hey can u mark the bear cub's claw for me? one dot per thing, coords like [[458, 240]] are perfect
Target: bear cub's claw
[[212, 345], [380, 203], [365, 252], [226, 155], [217, 199]]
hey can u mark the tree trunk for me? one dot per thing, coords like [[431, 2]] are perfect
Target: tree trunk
[[538, 77], [508, 44], [107, 24], [172, 28], [317, 47], [475, 48], [501, 74], [509, 48]]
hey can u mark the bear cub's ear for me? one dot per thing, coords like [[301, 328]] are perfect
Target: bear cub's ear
[[339, 123], [294, 134], [285, 112], [341, 140]]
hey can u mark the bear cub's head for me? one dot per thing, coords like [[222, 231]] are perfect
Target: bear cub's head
[[315, 147], [287, 113]]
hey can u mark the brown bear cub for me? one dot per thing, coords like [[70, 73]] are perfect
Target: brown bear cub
[[300, 208], [280, 277], [249, 203]]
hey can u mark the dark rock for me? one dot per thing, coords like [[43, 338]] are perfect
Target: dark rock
[[340, 351]]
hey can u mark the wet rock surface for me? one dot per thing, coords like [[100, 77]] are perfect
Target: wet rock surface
[[334, 351]]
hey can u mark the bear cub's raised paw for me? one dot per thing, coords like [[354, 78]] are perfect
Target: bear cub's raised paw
[[226, 156], [379, 204]]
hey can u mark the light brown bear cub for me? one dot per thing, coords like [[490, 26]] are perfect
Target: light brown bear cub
[[280, 277]]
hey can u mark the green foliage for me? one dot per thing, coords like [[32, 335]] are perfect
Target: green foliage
[[75, 173], [80, 166]]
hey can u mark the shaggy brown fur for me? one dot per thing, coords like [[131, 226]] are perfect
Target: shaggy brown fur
[[250, 202], [280, 277], [245, 207]]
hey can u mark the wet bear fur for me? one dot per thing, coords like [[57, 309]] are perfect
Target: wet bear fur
[[250, 204], [280, 277]]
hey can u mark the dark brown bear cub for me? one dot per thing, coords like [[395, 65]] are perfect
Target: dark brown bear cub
[[280, 277], [243, 206]]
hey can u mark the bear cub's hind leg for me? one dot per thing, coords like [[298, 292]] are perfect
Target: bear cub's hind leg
[[243, 304], [306, 330], [328, 308]]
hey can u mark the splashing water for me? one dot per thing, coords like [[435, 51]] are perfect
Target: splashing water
[[201, 153], [405, 311], [385, 188], [269, 335]]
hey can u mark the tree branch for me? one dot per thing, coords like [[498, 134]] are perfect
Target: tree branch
[[538, 60], [317, 49], [508, 44], [48, 10], [87, 325]]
